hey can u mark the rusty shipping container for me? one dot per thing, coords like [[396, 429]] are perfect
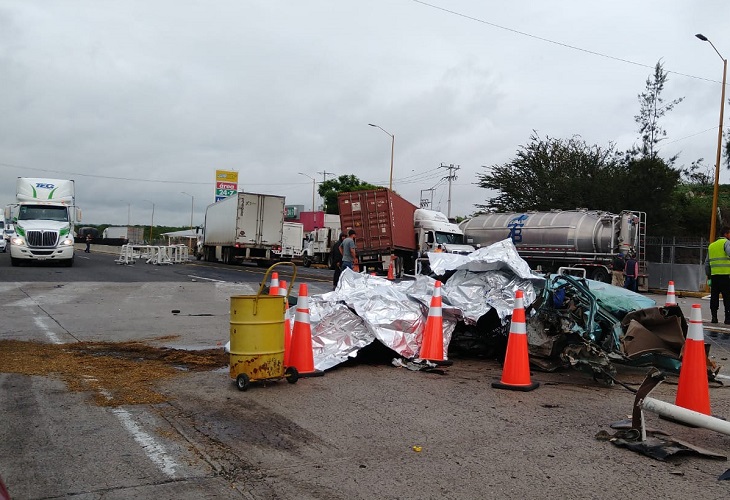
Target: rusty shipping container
[[384, 225]]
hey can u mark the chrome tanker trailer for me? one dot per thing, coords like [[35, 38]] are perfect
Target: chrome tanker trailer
[[566, 238]]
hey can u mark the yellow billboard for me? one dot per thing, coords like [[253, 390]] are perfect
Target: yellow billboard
[[226, 176]]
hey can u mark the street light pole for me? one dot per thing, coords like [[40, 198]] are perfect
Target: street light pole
[[392, 151], [192, 207], [716, 189], [313, 187]]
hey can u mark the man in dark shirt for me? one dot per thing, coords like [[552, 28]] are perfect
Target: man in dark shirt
[[336, 260]]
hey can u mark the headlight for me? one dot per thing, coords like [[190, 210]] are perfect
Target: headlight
[[17, 240], [67, 242]]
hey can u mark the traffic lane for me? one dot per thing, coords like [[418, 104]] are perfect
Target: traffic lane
[[352, 433], [100, 265], [57, 443]]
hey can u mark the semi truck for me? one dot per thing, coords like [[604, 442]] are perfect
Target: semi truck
[[130, 234], [44, 217], [389, 227], [243, 227], [586, 239], [318, 246]]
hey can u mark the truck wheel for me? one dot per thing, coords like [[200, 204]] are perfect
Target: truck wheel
[[68, 262], [306, 261], [14, 262], [601, 274]]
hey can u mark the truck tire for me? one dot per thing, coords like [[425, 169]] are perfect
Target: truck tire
[[68, 262], [14, 262], [601, 274], [306, 260]]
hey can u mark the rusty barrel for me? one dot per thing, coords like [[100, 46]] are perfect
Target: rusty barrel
[[257, 336]]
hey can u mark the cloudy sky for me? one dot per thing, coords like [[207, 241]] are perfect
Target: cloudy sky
[[141, 101]]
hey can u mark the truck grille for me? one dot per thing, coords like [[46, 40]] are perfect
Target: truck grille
[[42, 238]]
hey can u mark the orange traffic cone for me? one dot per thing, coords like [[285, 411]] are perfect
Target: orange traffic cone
[[432, 346], [391, 273], [671, 297], [301, 355], [693, 391], [274, 284], [287, 323], [516, 369]]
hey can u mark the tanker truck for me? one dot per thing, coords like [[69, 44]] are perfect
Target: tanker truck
[[44, 218], [566, 238]]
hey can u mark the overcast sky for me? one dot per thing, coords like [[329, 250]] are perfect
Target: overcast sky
[[140, 101]]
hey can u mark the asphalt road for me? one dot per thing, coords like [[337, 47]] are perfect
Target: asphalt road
[[364, 430]]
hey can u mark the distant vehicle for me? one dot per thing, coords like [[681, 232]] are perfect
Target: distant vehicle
[[388, 226], [586, 239], [244, 227], [318, 245], [291, 241], [44, 218], [3, 245]]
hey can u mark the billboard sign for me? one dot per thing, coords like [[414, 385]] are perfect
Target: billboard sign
[[226, 184]]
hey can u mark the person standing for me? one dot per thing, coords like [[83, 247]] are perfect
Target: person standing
[[336, 260], [618, 270], [349, 255], [717, 269], [88, 243], [631, 273]]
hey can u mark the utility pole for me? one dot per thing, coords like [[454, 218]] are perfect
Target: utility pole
[[324, 178], [451, 177]]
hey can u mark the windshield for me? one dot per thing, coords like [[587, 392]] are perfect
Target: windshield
[[43, 212], [449, 238]]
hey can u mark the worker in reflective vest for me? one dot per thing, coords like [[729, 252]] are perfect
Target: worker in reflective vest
[[717, 269]]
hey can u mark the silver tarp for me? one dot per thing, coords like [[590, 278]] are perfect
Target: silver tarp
[[364, 308]]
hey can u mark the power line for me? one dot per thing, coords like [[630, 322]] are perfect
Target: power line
[[561, 44]]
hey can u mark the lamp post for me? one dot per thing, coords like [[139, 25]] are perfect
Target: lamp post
[[152, 221], [392, 150], [313, 187], [716, 188], [192, 207]]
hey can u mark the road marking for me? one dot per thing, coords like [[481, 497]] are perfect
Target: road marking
[[154, 450], [49, 333], [201, 278]]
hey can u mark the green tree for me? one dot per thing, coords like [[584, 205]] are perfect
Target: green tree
[[555, 173], [329, 190], [652, 108], [650, 185]]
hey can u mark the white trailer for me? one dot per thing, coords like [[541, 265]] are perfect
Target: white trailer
[[44, 219], [244, 227], [291, 241]]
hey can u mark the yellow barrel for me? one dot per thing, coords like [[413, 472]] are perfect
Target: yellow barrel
[[257, 336]]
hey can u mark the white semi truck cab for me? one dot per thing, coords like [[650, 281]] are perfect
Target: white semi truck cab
[[44, 218], [433, 229]]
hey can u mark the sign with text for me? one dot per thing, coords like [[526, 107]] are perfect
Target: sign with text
[[226, 184]]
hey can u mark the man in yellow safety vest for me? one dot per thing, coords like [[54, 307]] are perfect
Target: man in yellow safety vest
[[717, 269]]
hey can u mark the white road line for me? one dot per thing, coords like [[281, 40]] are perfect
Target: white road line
[[154, 450], [201, 278], [40, 323]]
